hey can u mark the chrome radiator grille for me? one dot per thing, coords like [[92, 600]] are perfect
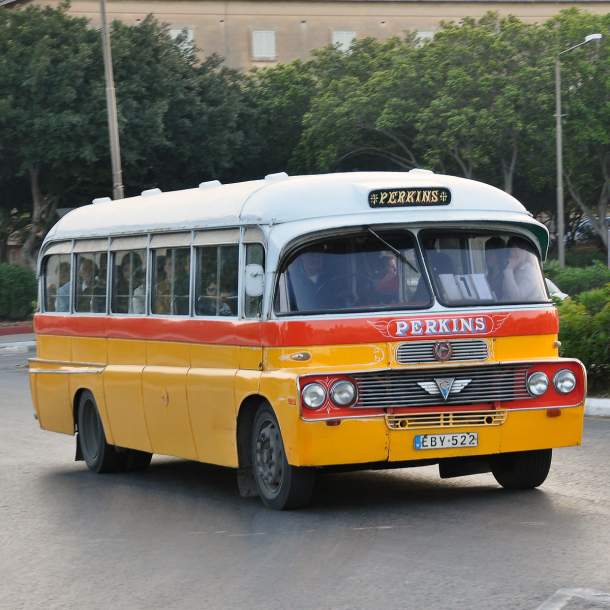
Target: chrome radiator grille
[[423, 351], [455, 419], [471, 385]]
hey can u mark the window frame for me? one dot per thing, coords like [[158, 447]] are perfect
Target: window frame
[[322, 237], [253, 45], [481, 232]]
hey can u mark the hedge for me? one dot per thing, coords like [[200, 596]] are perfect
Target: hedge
[[574, 280], [17, 292], [584, 332]]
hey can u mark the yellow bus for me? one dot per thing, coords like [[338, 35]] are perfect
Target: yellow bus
[[290, 325]]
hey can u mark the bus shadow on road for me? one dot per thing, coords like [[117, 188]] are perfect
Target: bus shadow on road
[[202, 486]]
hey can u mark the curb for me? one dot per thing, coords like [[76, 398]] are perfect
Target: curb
[[20, 347], [17, 329], [597, 407]]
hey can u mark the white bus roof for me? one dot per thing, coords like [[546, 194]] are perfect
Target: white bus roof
[[279, 199]]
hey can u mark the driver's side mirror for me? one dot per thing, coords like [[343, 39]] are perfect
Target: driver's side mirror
[[255, 280]]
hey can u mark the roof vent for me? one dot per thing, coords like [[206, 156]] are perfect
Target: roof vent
[[151, 192], [419, 170], [101, 200], [210, 184], [274, 177]]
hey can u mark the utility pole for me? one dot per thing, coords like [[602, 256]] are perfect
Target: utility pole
[[561, 246], [113, 126]]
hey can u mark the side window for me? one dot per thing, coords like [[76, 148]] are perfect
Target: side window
[[129, 282], [57, 283], [255, 255], [90, 294], [171, 281], [216, 283]]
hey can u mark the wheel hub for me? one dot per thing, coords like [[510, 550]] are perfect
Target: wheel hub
[[269, 457]]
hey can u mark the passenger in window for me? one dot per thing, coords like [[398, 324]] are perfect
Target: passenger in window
[[212, 304], [62, 302], [307, 281], [91, 288], [522, 272], [162, 303], [386, 286], [181, 284], [495, 262], [131, 289]]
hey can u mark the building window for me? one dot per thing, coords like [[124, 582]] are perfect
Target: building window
[[424, 35], [342, 39], [263, 44], [183, 37]]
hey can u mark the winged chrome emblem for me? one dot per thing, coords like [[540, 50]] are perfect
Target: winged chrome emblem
[[444, 386]]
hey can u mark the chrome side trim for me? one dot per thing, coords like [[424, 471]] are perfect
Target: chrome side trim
[[75, 371]]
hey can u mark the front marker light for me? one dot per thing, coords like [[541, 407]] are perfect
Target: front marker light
[[537, 384], [564, 381], [343, 393], [314, 395]]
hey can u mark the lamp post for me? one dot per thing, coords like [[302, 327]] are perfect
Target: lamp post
[[113, 127], [558, 142]]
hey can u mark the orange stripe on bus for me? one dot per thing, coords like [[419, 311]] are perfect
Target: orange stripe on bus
[[285, 333]]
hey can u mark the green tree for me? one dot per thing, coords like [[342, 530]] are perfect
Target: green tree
[[586, 109], [48, 94]]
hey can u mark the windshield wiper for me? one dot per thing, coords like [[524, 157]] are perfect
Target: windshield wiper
[[395, 250]]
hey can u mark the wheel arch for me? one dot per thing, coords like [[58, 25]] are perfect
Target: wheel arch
[[245, 419]]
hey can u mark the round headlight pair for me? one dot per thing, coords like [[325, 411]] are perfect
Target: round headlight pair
[[564, 382], [342, 393]]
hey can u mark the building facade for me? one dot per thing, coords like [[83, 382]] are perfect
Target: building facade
[[263, 32]]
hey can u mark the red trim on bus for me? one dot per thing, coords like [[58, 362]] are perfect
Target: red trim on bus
[[286, 332], [550, 399]]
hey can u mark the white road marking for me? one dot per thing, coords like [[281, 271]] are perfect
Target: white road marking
[[562, 597]]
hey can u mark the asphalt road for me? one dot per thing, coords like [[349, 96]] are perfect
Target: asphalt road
[[178, 535]]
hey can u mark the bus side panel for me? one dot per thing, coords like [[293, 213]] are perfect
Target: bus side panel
[[164, 392], [52, 395], [210, 389], [87, 351], [123, 391]]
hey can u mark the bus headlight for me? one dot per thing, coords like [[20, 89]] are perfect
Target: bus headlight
[[314, 395], [343, 393], [537, 384], [564, 381]]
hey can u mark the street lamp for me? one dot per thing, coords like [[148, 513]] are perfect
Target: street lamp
[[113, 127], [560, 208]]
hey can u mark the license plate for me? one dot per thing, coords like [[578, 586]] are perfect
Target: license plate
[[446, 441]]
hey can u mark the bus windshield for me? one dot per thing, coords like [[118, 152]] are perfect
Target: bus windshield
[[372, 270], [478, 268]]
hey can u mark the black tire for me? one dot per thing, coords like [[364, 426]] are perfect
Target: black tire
[[523, 470], [97, 453], [279, 485]]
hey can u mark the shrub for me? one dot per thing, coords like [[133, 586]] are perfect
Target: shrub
[[583, 256], [584, 332], [573, 280], [17, 292]]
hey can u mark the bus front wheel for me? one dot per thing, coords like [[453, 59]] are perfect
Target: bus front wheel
[[280, 485], [523, 470]]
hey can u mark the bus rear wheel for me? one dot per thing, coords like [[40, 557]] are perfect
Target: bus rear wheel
[[279, 485], [97, 453], [523, 470]]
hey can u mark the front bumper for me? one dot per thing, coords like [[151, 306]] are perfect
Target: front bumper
[[360, 441]]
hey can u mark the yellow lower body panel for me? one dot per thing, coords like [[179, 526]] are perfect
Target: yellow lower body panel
[[362, 441]]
